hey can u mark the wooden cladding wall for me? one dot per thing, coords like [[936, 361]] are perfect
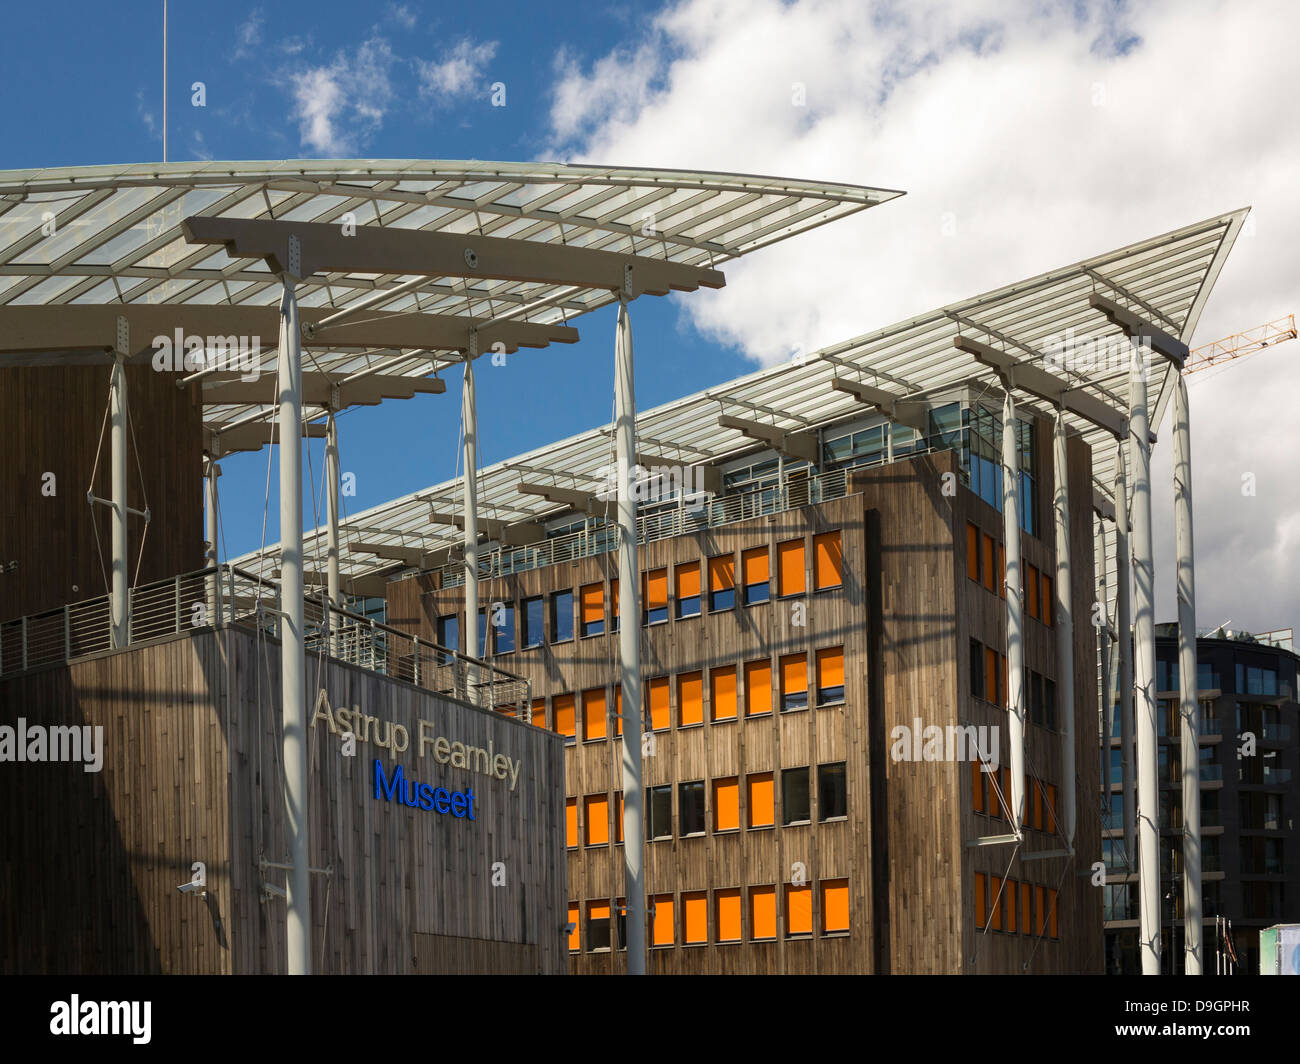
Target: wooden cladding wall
[[804, 622], [52, 419], [192, 773]]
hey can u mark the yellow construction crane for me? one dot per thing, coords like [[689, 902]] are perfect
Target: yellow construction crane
[[1240, 344]]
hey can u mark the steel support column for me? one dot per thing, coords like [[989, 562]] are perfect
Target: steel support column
[[1190, 706], [121, 606], [332, 523], [469, 422], [1063, 621], [1144, 669], [1015, 608], [629, 640], [1124, 634], [1107, 714], [293, 664], [210, 475]]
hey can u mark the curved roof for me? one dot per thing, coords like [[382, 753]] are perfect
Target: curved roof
[[1165, 279], [112, 235]]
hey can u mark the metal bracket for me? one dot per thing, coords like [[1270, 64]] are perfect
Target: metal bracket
[[270, 890], [123, 336], [628, 289], [471, 258], [295, 256], [335, 397], [473, 342]]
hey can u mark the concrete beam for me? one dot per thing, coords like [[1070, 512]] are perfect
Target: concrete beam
[[220, 441], [317, 389], [910, 412], [583, 501], [511, 533], [1141, 329], [800, 444]]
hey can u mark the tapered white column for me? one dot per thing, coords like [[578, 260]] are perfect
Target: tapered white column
[[629, 640], [469, 418], [1190, 706], [1063, 621], [1144, 670], [332, 478], [293, 664], [1124, 634], [210, 475], [1015, 609], [120, 602]]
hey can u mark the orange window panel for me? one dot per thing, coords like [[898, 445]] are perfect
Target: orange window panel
[[1031, 589], [726, 914], [613, 602], [789, 568], [563, 707], [539, 712], [798, 909], [722, 572], [996, 793], [1002, 571], [794, 674], [575, 936], [1047, 600], [618, 709], [695, 918], [990, 675], [754, 564], [972, 552], [990, 573], [762, 912], [828, 561], [835, 905], [726, 804], [722, 684], [690, 698], [1051, 823], [830, 668], [980, 901], [977, 786], [995, 902], [1026, 919], [688, 581], [571, 822], [618, 816], [1005, 699], [760, 797], [758, 688], [657, 692], [594, 725], [595, 813], [592, 598], [1040, 909], [655, 585], [662, 927], [1009, 906], [1038, 805], [1052, 928]]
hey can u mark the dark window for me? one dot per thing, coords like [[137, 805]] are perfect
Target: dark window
[[448, 635], [532, 621], [561, 616], [480, 649], [690, 803], [659, 812], [794, 796], [832, 792], [503, 627], [621, 909], [597, 930], [976, 669], [1049, 703]]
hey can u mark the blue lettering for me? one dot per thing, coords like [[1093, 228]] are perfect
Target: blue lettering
[[470, 795], [458, 803], [421, 795], [441, 799], [412, 795], [426, 796], [382, 786]]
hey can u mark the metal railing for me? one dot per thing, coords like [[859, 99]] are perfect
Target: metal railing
[[210, 597]]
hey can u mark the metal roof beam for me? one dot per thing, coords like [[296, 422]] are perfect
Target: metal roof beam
[[1103, 506], [793, 444], [370, 249], [317, 389], [584, 501], [1139, 329], [706, 476], [220, 441], [887, 403], [510, 533]]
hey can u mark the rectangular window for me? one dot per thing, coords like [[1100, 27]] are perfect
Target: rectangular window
[[977, 785], [1002, 571], [594, 724], [687, 579], [448, 635], [690, 807], [972, 552], [563, 708], [990, 573], [561, 616], [760, 799], [835, 906], [657, 694], [726, 914], [789, 568], [1009, 907], [593, 610], [618, 819], [1036, 789], [981, 901], [722, 693], [532, 619], [618, 709], [722, 583], [1052, 928], [1040, 910], [794, 796], [995, 903], [654, 589], [659, 812], [830, 676], [503, 627], [1049, 823], [575, 938], [539, 713], [762, 913], [695, 918], [1046, 600], [794, 682], [481, 649], [832, 792], [828, 561], [690, 699], [1031, 590], [571, 823], [1026, 915], [798, 910], [597, 925], [613, 605], [991, 673], [754, 566], [758, 688], [595, 815], [662, 928], [976, 669], [726, 804]]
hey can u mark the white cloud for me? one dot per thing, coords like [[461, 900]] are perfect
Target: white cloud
[[402, 15], [457, 73], [1045, 133], [339, 105], [249, 34]]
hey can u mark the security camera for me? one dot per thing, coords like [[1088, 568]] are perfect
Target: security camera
[[193, 888]]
